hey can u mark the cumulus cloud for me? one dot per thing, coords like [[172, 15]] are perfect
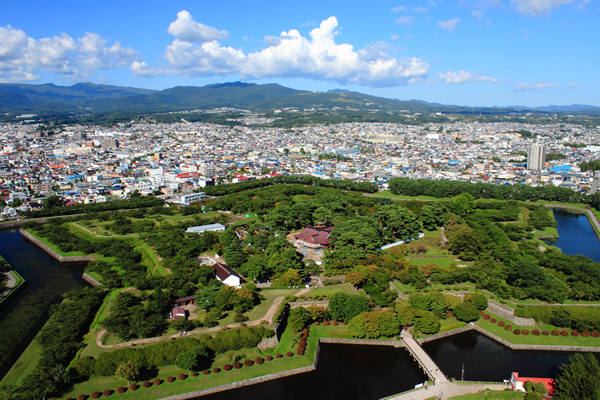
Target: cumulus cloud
[[399, 8], [573, 85], [449, 25], [534, 87], [538, 8], [291, 55], [478, 14], [185, 28], [21, 56], [405, 20], [465, 77]]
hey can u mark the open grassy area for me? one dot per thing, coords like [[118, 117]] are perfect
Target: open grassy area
[[492, 395], [442, 262], [329, 290], [270, 295], [24, 365]]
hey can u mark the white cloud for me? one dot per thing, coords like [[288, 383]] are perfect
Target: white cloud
[[405, 20], [308, 23], [21, 56], [420, 9], [144, 70], [573, 85], [209, 59], [465, 77], [399, 8], [449, 25], [394, 37], [534, 87], [478, 14], [539, 8], [185, 28]]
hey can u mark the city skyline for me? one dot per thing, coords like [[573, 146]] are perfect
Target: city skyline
[[521, 52]]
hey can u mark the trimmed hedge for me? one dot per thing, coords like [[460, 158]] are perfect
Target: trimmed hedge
[[316, 323], [181, 377], [486, 316], [508, 328], [146, 385], [493, 320], [259, 360], [133, 387], [194, 374], [525, 332], [564, 333], [269, 358], [325, 323], [279, 355], [206, 371], [595, 334], [107, 393], [585, 334], [300, 352], [120, 390], [545, 333], [248, 362], [170, 379], [216, 370], [335, 323], [237, 365], [516, 332], [575, 334], [501, 324], [289, 354], [226, 367], [555, 333], [157, 382], [94, 395], [536, 332], [81, 397]]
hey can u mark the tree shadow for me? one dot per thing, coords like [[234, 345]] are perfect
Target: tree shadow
[[147, 374]]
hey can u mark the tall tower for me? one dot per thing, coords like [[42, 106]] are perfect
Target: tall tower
[[536, 157]]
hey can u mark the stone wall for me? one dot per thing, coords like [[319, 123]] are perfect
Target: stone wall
[[90, 280], [305, 304], [53, 253], [509, 314], [445, 334], [394, 343]]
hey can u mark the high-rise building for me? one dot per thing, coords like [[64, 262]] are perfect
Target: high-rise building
[[536, 157]]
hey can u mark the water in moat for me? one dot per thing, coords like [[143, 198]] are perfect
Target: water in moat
[[576, 235], [25, 313]]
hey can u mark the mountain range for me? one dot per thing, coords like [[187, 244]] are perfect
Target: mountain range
[[82, 98]]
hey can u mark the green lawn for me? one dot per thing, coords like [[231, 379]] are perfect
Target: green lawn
[[492, 395], [270, 295], [24, 365], [329, 290], [443, 262]]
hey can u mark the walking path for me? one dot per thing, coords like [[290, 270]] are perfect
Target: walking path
[[10, 284], [446, 390], [430, 367]]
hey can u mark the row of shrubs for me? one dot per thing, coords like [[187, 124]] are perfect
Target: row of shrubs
[[537, 332], [303, 297], [227, 367], [302, 343], [327, 323]]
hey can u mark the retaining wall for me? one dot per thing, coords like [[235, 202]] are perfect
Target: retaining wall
[[53, 253], [394, 343], [309, 303], [509, 314], [90, 280]]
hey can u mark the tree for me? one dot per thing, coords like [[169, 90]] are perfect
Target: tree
[[463, 204], [478, 299], [128, 370], [191, 360], [466, 312], [298, 319], [580, 379], [427, 322], [355, 278], [344, 307], [291, 278]]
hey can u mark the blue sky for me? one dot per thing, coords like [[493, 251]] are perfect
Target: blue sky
[[469, 52]]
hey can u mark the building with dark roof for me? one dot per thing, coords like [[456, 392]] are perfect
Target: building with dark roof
[[315, 236]]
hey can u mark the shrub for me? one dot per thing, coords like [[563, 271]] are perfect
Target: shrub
[[316, 323], [133, 387], [194, 374], [525, 332], [501, 324], [555, 333], [269, 358], [335, 323], [289, 354], [585, 334], [120, 390], [545, 333], [535, 332], [595, 334], [248, 362], [508, 328], [493, 320], [157, 382], [300, 352], [181, 377], [279, 355], [107, 393], [564, 333], [81, 397], [146, 385], [326, 323], [516, 332], [481, 313], [94, 395], [305, 331], [170, 379], [575, 334], [216, 370], [237, 365], [259, 360], [206, 371], [226, 367], [486, 316]]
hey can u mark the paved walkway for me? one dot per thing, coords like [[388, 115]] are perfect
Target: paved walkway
[[446, 390], [430, 367], [10, 284]]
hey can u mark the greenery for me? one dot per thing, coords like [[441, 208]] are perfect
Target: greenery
[[52, 208], [580, 379]]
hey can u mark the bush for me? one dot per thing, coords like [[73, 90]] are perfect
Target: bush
[[259, 360], [237, 365], [289, 354], [508, 328], [326, 323], [94, 395], [316, 323], [181, 377], [335, 323], [81, 397], [585, 334], [575, 334], [146, 385], [516, 332], [107, 393], [486, 316], [157, 382], [525, 332], [248, 362], [133, 387], [595, 334], [170, 379], [279, 355], [555, 333], [493, 320], [194, 374], [481, 313], [206, 371], [227, 367], [120, 390], [216, 370], [545, 333], [300, 352], [269, 358], [564, 333], [501, 324], [535, 332], [239, 317]]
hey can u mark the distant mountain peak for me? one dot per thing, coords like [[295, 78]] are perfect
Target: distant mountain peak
[[232, 84], [339, 91]]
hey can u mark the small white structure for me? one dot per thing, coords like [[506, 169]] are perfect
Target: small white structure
[[189, 198], [227, 275], [204, 228], [9, 212]]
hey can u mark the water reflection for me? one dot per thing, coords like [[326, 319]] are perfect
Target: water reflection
[[576, 235]]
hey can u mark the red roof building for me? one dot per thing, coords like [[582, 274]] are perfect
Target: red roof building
[[315, 236], [518, 383]]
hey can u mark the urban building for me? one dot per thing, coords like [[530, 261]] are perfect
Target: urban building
[[536, 157]]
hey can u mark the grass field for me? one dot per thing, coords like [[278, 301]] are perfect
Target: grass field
[[443, 262], [329, 290], [24, 365], [491, 395]]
